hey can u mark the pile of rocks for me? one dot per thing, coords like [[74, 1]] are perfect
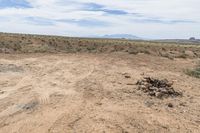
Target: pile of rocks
[[157, 88]]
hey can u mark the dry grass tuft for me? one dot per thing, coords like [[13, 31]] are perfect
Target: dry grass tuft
[[194, 72]]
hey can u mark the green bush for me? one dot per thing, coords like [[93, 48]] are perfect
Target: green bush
[[194, 73]]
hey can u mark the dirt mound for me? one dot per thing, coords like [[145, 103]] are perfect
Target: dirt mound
[[157, 88]]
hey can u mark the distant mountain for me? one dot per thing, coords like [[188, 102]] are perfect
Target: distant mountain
[[122, 36]]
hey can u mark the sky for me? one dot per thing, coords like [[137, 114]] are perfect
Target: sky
[[152, 19]]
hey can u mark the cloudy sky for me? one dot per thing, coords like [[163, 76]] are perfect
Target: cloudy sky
[[153, 19]]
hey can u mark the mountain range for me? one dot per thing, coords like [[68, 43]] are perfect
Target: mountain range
[[121, 36]]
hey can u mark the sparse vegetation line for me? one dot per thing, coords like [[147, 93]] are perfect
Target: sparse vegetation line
[[22, 43]]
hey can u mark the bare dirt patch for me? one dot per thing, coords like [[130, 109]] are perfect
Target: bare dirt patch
[[59, 93]]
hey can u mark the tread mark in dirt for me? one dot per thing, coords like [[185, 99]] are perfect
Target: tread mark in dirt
[[45, 98], [92, 91]]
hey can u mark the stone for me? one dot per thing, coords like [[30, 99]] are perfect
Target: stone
[[157, 88], [149, 103], [152, 93], [142, 87], [159, 94], [127, 76], [170, 105]]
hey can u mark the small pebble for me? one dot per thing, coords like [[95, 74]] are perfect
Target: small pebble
[[127, 76], [170, 105], [149, 103], [129, 84]]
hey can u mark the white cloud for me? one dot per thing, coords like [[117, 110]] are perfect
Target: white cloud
[[145, 18]]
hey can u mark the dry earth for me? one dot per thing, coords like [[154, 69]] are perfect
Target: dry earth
[[94, 93]]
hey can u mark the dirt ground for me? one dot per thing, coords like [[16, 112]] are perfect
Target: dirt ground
[[94, 93]]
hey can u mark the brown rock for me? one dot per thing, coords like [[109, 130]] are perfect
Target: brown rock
[[127, 76], [159, 94], [170, 105]]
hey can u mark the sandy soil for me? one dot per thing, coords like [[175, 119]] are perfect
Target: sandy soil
[[72, 93]]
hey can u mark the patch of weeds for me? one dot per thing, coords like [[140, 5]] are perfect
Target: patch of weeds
[[194, 72], [166, 55], [42, 49], [145, 52], [132, 51], [91, 48], [183, 56]]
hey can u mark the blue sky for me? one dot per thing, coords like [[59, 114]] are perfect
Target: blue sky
[[153, 19]]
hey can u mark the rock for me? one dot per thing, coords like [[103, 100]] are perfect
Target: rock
[[170, 105], [152, 93], [1, 92], [163, 90], [30, 105], [152, 88], [182, 104], [149, 103], [159, 95], [142, 87], [157, 88], [129, 84], [127, 76], [99, 103]]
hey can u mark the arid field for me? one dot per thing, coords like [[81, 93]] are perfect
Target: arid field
[[76, 85]]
